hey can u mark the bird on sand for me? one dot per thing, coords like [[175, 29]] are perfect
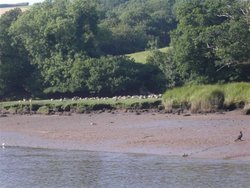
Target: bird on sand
[[239, 137]]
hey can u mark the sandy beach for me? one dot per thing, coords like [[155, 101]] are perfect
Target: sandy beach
[[210, 136]]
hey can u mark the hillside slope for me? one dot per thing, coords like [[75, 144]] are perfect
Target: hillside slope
[[141, 57]]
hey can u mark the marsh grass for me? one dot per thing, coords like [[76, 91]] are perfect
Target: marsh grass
[[237, 94], [208, 98]]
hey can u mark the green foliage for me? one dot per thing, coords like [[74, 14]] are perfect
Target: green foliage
[[59, 44], [136, 24], [60, 47], [108, 76], [164, 61], [57, 76], [16, 72], [211, 40], [57, 27], [53, 32], [105, 76]]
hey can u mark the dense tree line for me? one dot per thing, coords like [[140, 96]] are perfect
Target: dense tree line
[[76, 47], [59, 47], [136, 25], [210, 44]]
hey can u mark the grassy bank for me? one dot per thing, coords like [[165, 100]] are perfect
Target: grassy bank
[[196, 98], [209, 98], [141, 57], [79, 105]]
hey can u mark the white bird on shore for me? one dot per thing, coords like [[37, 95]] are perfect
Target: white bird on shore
[[3, 145]]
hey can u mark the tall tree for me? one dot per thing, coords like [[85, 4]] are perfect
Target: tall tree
[[15, 69], [53, 33], [211, 39]]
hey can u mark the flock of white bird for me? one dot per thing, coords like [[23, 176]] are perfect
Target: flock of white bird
[[152, 96]]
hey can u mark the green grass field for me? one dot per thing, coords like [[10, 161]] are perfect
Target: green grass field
[[141, 57]]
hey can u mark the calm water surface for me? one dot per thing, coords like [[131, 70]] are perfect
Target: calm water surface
[[27, 167]]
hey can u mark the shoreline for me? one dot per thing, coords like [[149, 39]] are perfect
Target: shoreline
[[208, 136]]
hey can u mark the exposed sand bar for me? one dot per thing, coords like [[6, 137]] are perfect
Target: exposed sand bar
[[201, 136]]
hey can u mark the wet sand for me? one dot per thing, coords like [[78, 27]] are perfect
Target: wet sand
[[209, 136]]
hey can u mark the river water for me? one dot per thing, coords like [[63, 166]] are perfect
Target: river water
[[29, 167]]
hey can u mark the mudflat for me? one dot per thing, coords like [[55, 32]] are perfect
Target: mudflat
[[210, 136]]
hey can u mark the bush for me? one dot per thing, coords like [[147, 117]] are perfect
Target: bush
[[109, 76], [44, 110], [164, 61]]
